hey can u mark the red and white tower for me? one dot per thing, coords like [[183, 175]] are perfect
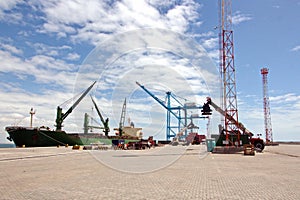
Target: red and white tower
[[227, 71], [267, 114]]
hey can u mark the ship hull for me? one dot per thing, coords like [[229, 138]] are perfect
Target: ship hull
[[42, 137]]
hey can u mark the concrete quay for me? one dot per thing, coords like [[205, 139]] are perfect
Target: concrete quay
[[160, 173]]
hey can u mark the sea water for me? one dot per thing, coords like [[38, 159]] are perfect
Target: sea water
[[7, 145]]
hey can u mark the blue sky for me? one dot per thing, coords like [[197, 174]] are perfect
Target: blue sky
[[47, 47]]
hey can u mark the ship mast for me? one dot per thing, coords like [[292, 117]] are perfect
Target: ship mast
[[31, 116]]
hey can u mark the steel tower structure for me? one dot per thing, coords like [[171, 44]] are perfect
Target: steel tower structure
[[267, 114], [177, 113], [227, 72]]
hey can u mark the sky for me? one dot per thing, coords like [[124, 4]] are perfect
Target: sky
[[52, 50]]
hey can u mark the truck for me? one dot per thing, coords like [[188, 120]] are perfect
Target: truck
[[195, 138]]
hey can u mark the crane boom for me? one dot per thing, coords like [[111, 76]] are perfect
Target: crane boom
[[97, 109], [229, 117], [62, 116], [77, 102], [104, 122], [157, 99], [122, 118]]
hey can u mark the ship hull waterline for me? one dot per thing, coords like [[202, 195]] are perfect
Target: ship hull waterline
[[43, 137]]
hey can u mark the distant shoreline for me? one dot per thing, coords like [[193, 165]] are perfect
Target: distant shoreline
[[298, 143]]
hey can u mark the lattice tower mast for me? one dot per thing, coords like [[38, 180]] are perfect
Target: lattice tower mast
[[227, 70], [267, 113]]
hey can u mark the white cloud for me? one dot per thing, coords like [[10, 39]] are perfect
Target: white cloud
[[296, 48], [6, 16], [8, 4], [73, 56], [290, 97], [44, 69], [211, 43], [15, 111], [11, 49], [200, 35], [94, 20], [52, 78], [13, 64], [239, 17], [51, 51], [284, 110]]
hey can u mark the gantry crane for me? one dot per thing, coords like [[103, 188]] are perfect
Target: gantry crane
[[169, 132], [176, 111]]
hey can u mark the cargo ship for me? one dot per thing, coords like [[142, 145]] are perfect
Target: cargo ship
[[44, 136]]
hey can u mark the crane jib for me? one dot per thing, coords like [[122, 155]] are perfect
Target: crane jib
[[62, 116]]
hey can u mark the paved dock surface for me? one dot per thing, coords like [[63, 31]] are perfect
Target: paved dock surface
[[160, 173]]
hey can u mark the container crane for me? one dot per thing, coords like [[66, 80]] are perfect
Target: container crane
[[60, 116], [104, 122], [182, 120], [170, 111]]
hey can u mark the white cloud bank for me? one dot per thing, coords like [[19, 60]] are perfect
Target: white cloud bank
[[94, 20]]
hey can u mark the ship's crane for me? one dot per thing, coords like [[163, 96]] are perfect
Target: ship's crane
[[257, 142], [104, 122], [122, 118], [87, 125], [60, 116]]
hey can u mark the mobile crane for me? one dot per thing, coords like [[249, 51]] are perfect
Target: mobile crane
[[257, 142]]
